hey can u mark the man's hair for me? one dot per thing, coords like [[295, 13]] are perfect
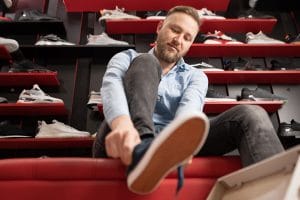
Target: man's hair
[[187, 10]]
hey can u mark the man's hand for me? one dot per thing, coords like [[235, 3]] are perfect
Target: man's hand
[[121, 141]]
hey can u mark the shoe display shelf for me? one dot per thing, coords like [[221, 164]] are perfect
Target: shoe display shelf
[[73, 51], [32, 27], [46, 143], [141, 5], [255, 77], [33, 109], [219, 107], [253, 50], [25, 79], [148, 26]]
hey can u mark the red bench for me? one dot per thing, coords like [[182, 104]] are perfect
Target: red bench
[[88, 178]]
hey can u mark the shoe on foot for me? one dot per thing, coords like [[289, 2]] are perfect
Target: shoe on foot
[[188, 132]]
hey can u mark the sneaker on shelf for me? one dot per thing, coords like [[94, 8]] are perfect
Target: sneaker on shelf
[[259, 95], [115, 14], [292, 39], [27, 66], [9, 130], [10, 45], [52, 39], [206, 67], [218, 38], [252, 13], [36, 95], [161, 15], [261, 38], [3, 100], [58, 130], [284, 64], [213, 95], [103, 39], [241, 64], [204, 13], [94, 100], [149, 165], [33, 15], [5, 5], [291, 129]]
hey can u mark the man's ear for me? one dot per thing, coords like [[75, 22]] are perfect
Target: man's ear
[[159, 26]]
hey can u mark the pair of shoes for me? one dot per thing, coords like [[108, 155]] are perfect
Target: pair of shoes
[[94, 100], [261, 38], [52, 39], [154, 158], [27, 66], [213, 95], [33, 15], [36, 95], [291, 129], [204, 13], [252, 13], [10, 44], [259, 95], [241, 64], [103, 39], [218, 37], [115, 14], [58, 130]]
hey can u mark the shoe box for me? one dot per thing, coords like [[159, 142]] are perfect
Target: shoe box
[[276, 178]]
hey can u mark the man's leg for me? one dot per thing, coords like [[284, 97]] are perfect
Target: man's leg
[[141, 84], [247, 128]]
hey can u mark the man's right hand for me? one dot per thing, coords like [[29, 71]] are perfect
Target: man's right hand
[[120, 142]]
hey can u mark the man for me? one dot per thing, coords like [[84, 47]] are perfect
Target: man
[[146, 93]]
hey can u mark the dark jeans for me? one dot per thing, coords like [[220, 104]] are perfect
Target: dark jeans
[[245, 127]]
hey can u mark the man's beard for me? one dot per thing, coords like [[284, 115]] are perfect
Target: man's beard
[[165, 55]]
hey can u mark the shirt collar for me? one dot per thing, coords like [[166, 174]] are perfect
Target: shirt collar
[[180, 66]]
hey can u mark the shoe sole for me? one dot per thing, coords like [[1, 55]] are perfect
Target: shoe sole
[[170, 149]]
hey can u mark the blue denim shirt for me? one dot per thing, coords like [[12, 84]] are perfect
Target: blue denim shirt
[[182, 89]]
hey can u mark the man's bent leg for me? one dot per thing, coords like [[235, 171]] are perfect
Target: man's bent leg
[[247, 128]]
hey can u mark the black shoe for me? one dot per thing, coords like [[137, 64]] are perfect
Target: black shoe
[[283, 64], [241, 64], [213, 95], [8, 130], [27, 66], [252, 13], [259, 95], [289, 130], [33, 15]]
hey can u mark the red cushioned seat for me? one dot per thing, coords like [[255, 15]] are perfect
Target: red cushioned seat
[[87, 178]]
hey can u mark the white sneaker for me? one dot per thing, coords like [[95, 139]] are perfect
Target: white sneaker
[[103, 39], [94, 100], [52, 39], [115, 14], [206, 67], [36, 95], [219, 38], [58, 130], [261, 38], [10, 44], [204, 13]]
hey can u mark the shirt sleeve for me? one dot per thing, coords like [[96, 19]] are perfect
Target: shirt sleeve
[[112, 90], [193, 97]]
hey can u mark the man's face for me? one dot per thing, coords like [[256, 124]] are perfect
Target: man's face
[[175, 36]]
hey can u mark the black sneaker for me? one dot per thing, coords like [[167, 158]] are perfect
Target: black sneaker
[[292, 39], [153, 159], [283, 64], [241, 64], [27, 66], [252, 13], [213, 95], [289, 130], [259, 95], [33, 15], [8, 130]]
